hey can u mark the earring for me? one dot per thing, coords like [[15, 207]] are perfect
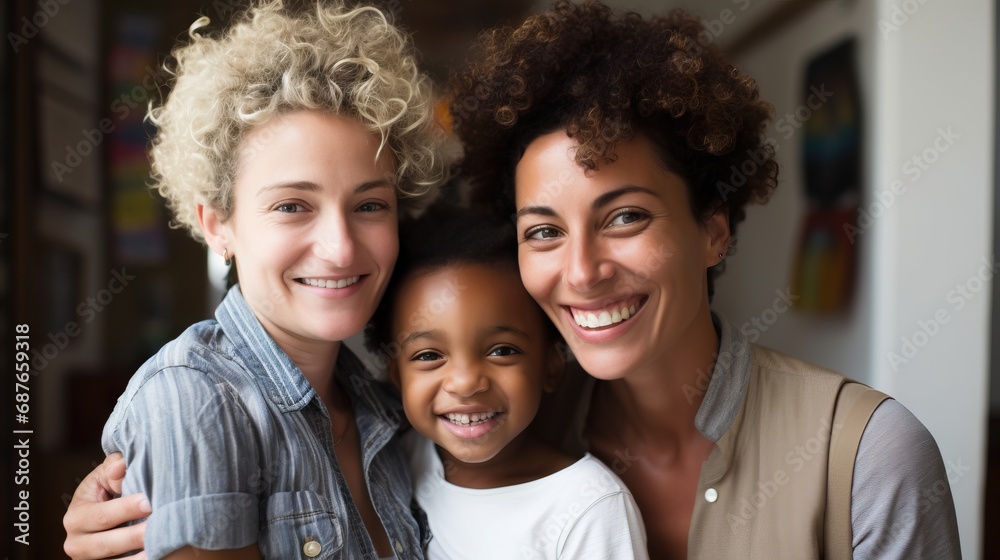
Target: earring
[[225, 257], [721, 256]]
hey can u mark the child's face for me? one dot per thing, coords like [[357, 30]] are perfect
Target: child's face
[[475, 357]]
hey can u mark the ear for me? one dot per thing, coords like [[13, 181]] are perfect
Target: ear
[[393, 370], [218, 234], [555, 367], [717, 226]]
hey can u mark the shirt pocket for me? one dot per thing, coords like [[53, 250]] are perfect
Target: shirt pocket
[[300, 525]]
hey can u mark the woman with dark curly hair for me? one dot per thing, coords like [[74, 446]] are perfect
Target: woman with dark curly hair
[[610, 142]]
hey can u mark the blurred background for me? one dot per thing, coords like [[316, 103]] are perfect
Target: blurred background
[[875, 256]]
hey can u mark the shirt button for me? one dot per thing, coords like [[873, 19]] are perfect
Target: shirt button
[[711, 495], [312, 548], [399, 546]]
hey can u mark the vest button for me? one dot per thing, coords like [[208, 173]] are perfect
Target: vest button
[[711, 495]]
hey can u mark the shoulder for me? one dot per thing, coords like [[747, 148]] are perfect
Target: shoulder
[[790, 369], [192, 380], [901, 502], [585, 483]]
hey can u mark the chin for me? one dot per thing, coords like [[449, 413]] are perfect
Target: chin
[[604, 365]]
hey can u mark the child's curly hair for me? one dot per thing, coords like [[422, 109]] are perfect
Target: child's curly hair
[[341, 60], [605, 79]]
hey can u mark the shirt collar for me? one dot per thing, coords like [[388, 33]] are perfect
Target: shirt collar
[[278, 376], [725, 392], [718, 417]]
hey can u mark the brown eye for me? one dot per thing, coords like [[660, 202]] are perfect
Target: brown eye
[[542, 233], [627, 217]]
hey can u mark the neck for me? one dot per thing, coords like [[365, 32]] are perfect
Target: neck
[[314, 358], [659, 403]]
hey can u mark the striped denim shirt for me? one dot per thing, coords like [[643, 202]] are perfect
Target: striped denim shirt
[[232, 446]]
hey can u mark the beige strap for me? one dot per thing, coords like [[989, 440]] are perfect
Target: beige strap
[[855, 405]]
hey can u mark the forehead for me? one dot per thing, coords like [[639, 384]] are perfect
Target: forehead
[[548, 174], [311, 145], [463, 296]]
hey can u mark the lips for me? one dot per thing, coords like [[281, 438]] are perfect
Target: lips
[[338, 284], [470, 426], [611, 314], [468, 419]]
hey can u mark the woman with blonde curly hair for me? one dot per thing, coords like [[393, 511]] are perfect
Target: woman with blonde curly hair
[[288, 144], [610, 142]]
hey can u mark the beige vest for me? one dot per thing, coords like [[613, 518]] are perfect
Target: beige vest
[[762, 494]]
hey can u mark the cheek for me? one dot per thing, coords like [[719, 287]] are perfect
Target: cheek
[[537, 274]]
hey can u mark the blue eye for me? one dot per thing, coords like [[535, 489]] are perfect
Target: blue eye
[[373, 207], [288, 208]]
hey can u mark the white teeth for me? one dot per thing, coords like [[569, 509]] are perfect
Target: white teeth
[[334, 284], [469, 419], [603, 318]]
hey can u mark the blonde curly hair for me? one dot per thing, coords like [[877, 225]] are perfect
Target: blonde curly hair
[[338, 59]]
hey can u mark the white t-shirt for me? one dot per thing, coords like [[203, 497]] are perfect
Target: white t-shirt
[[581, 512]]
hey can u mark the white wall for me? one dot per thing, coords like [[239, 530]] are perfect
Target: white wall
[[932, 71], [937, 71]]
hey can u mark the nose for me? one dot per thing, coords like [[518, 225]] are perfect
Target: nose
[[586, 265], [464, 379], [334, 241]]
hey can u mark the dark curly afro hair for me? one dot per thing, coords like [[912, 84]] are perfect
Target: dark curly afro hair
[[603, 79]]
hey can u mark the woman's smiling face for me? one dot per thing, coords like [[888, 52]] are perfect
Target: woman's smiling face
[[313, 228], [614, 256]]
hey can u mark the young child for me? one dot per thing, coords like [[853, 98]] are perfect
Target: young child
[[472, 354]]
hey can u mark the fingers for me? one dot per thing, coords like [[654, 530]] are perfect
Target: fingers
[[114, 473], [93, 516], [107, 544], [88, 520]]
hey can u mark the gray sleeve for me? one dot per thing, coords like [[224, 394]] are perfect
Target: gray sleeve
[[901, 503]]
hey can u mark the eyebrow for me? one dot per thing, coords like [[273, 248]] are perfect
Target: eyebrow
[[602, 200], [437, 335], [312, 187], [508, 329], [607, 197], [418, 334]]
